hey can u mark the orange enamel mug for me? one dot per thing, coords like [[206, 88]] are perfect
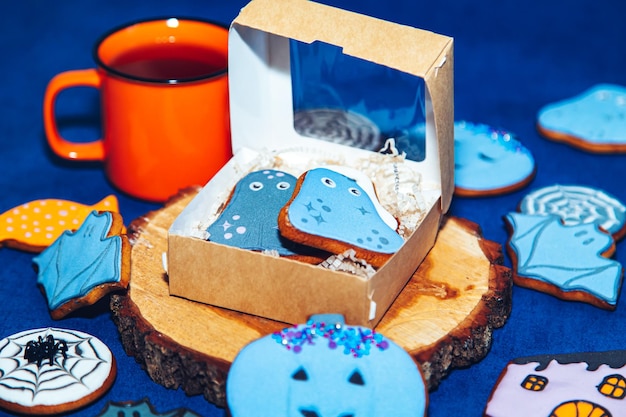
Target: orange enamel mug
[[164, 103]]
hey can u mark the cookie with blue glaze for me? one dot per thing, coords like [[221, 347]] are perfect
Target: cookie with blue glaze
[[489, 161], [332, 212], [325, 369], [249, 219], [82, 266], [569, 262], [594, 120]]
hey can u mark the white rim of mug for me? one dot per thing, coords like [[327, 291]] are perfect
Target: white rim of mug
[[109, 69]]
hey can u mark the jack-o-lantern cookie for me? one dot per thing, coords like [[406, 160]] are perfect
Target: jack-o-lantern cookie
[[52, 371], [82, 266], [333, 212], [594, 121], [489, 161], [589, 384], [325, 368]]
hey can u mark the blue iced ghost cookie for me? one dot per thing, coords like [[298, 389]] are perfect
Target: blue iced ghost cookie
[[330, 211], [325, 369], [594, 121], [249, 219]]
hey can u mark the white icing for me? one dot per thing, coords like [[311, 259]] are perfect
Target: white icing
[[88, 365]]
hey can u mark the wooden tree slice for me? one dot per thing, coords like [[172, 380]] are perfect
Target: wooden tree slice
[[444, 317]]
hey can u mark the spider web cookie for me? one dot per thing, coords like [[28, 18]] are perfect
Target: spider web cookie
[[576, 204], [77, 368], [80, 267]]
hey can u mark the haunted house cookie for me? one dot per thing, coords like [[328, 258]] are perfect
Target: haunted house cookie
[[33, 226], [594, 121], [331, 211], [489, 161], [80, 267], [249, 219], [325, 369], [51, 371], [569, 262], [576, 384], [576, 204]]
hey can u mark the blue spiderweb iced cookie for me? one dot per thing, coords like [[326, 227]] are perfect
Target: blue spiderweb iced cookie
[[332, 212], [249, 218]]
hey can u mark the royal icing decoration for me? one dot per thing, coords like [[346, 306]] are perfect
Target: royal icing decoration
[[489, 161], [568, 258], [333, 206], [595, 118], [249, 220], [35, 225], [575, 204], [325, 369], [339, 126], [81, 261], [141, 408], [568, 385], [83, 368]]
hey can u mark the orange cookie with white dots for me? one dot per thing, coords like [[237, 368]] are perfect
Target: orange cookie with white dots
[[33, 226]]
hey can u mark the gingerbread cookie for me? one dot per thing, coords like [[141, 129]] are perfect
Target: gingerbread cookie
[[33, 226], [489, 161], [141, 408], [81, 267], [594, 121], [325, 368], [339, 126], [51, 371], [576, 384], [332, 212], [249, 219], [576, 204], [569, 262]]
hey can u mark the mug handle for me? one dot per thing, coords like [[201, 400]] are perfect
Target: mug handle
[[89, 151]]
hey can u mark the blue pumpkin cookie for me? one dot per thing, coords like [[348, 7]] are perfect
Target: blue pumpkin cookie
[[332, 212], [325, 369]]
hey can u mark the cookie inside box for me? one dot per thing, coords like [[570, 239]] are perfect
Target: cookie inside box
[[301, 101]]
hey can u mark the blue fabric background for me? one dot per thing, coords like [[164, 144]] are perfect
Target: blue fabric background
[[512, 57]]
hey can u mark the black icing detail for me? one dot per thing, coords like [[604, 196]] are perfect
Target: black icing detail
[[614, 359], [300, 375], [356, 378], [309, 413], [40, 350]]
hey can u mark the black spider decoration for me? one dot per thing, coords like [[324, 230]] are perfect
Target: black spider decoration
[[39, 350]]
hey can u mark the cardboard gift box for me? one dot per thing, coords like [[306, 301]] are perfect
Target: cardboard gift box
[[289, 57]]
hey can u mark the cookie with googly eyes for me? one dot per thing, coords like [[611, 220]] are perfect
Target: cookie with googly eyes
[[249, 217], [331, 211], [594, 121]]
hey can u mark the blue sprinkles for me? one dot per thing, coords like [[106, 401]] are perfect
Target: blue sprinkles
[[355, 341]]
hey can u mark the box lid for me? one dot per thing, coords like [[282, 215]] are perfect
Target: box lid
[[260, 79]]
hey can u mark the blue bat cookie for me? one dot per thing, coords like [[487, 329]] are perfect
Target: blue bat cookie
[[249, 220], [330, 211]]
